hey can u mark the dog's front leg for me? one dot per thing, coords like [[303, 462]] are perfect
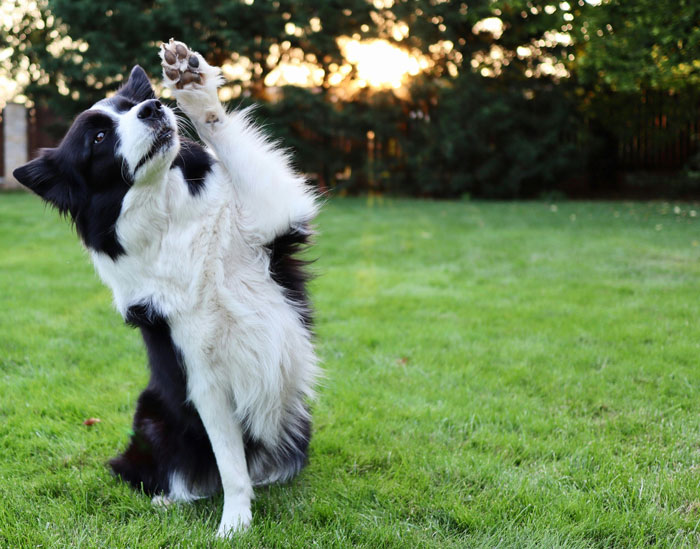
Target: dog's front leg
[[266, 187], [215, 408]]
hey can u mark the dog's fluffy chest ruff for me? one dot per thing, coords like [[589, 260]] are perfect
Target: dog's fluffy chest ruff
[[179, 250]]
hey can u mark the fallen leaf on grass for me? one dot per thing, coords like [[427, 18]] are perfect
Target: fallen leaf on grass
[[691, 508]]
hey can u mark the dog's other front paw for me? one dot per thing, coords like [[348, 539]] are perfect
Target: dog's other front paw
[[235, 518], [182, 67]]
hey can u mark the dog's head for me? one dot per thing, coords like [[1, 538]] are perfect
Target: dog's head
[[125, 140]]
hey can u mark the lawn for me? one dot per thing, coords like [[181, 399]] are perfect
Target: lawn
[[497, 375]]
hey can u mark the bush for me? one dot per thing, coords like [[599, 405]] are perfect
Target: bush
[[472, 137], [491, 141]]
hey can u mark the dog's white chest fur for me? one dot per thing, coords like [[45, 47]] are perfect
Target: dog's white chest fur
[[172, 242]]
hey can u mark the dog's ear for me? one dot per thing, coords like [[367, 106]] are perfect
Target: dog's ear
[[138, 88], [43, 177]]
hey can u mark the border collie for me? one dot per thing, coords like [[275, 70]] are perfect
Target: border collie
[[198, 247]]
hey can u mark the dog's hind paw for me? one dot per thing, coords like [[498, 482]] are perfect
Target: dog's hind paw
[[182, 67], [162, 501]]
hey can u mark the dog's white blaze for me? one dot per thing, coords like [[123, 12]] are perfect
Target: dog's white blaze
[[200, 260], [135, 140]]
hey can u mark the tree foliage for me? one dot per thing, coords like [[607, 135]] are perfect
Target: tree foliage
[[497, 110], [641, 45], [112, 37]]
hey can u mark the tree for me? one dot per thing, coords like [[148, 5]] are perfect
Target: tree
[[108, 39], [496, 110], [642, 45]]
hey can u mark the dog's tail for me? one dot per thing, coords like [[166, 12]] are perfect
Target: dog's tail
[[280, 462]]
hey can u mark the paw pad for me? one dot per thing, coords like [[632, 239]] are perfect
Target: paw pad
[[180, 64]]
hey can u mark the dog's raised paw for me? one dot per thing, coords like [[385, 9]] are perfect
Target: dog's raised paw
[[181, 65]]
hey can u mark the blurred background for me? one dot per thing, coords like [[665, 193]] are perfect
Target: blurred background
[[430, 98]]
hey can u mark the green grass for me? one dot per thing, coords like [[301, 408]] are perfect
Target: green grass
[[498, 375]]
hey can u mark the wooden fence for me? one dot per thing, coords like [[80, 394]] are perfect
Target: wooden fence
[[41, 122], [660, 132], [22, 133]]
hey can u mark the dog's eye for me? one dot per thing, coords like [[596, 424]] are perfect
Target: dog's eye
[[99, 137]]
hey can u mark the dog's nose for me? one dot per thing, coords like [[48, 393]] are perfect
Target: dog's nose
[[151, 110]]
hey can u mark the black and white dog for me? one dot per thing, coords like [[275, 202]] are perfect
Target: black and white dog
[[198, 247]]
